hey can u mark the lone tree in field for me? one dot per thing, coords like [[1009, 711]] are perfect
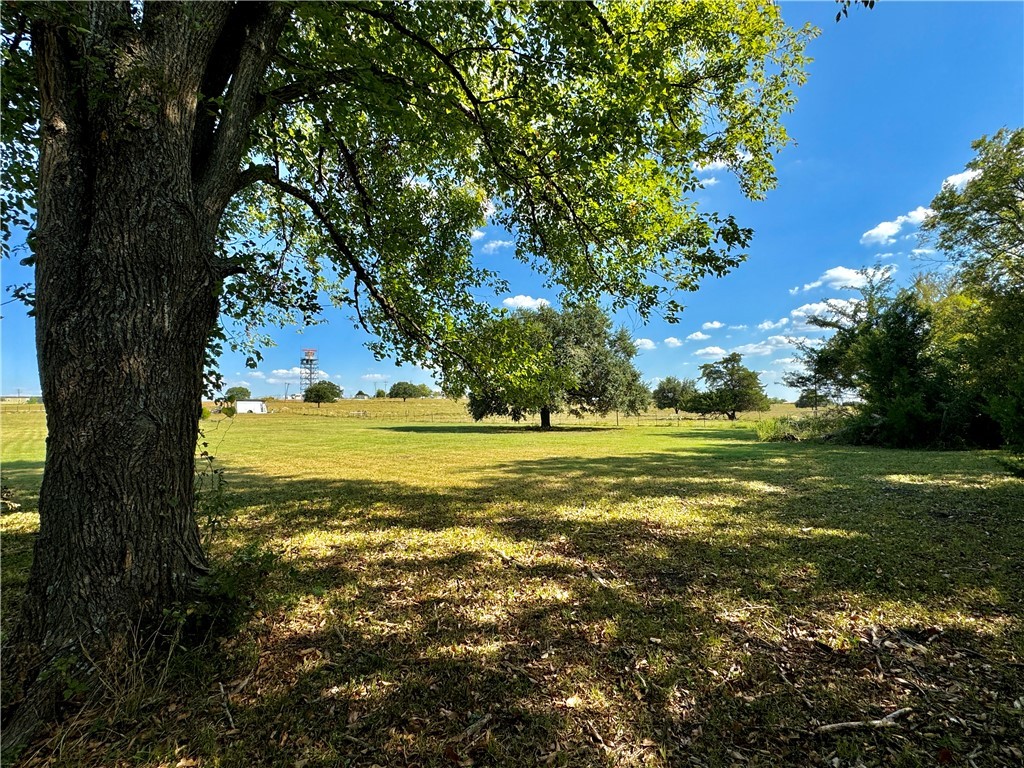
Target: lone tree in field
[[237, 393], [578, 364], [186, 164], [812, 398], [674, 393], [321, 392], [406, 389], [730, 388]]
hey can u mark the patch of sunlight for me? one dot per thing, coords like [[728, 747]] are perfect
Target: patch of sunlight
[[759, 486], [814, 532], [953, 480], [910, 612], [553, 593], [483, 649], [777, 460], [19, 522]]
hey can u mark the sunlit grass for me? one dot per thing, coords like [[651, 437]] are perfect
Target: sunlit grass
[[658, 595]]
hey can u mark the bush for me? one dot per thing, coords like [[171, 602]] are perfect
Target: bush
[[823, 426]]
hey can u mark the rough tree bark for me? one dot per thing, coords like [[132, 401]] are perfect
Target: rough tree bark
[[545, 418], [130, 193]]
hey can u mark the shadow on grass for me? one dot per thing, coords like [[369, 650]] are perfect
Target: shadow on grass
[[490, 429], [669, 608], [21, 479]]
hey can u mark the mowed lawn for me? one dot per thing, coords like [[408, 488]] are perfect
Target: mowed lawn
[[454, 594]]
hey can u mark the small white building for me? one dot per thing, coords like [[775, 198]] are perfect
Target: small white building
[[250, 406]]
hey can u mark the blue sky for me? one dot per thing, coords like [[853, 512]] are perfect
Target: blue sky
[[895, 96]]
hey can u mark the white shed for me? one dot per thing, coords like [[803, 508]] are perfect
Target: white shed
[[250, 406]]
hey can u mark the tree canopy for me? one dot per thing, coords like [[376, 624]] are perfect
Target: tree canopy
[[331, 144], [237, 393], [812, 398], [730, 387], [321, 392], [584, 367], [406, 389], [674, 393]]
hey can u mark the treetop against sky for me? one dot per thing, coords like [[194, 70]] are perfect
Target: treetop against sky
[[886, 117]]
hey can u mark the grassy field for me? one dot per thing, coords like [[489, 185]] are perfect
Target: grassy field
[[443, 593]]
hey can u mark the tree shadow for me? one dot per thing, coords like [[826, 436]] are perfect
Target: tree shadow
[[675, 607], [21, 479], [490, 429]]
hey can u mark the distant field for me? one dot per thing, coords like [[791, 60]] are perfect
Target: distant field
[[445, 410], [672, 594]]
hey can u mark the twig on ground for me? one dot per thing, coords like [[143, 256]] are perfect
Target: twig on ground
[[475, 727], [790, 683], [227, 708], [886, 722]]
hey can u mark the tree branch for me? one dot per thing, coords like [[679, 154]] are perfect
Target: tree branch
[[406, 326], [218, 178]]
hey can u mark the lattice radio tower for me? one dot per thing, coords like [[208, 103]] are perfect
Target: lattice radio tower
[[308, 367]]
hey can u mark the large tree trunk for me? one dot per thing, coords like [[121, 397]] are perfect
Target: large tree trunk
[[126, 288], [545, 418]]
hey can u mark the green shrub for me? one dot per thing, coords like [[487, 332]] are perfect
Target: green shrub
[[825, 425]]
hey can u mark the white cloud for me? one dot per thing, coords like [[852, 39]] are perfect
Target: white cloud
[[291, 375], [843, 277], [835, 278], [374, 377], [919, 214], [768, 325], [672, 341], [710, 181], [814, 308], [476, 234], [698, 336], [495, 245], [825, 308], [785, 342], [257, 375], [713, 324], [958, 180], [525, 302], [922, 251], [737, 327], [786, 361], [794, 290], [754, 349], [840, 278], [644, 344], [885, 232], [710, 352], [886, 255], [714, 165], [721, 165], [769, 346]]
